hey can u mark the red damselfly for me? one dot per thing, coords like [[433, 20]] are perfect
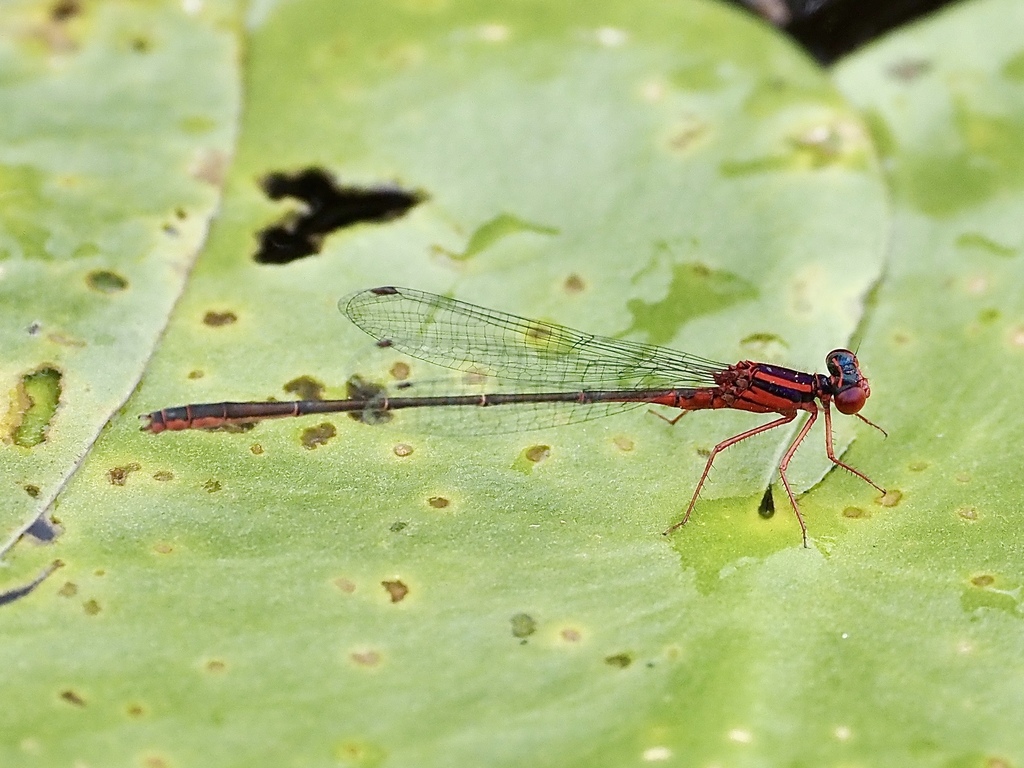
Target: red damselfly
[[555, 367]]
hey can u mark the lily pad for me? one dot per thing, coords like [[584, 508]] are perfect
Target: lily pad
[[118, 124], [335, 591]]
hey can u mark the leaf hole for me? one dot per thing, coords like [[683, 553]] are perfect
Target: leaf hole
[[324, 207]]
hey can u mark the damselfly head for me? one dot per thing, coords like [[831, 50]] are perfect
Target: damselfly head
[[850, 388]]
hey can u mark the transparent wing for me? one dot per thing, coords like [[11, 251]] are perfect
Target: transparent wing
[[482, 420], [465, 337]]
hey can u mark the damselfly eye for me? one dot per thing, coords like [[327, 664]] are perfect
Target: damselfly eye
[[850, 400]]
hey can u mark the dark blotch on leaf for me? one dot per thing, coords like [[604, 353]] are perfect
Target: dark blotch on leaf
[[305, 388], [438, 502], [358, 388], [218, 319], [63, 10], [766, 508], [397, 590], [314, 437], [70, 589], [105, 281], [72, 697], [574, 284], [119, 475], [620, 660], [523, 625], [325, 207], [537, 453]]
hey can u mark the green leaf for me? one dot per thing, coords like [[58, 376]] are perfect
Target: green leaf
[[360, 594], [117, 124]]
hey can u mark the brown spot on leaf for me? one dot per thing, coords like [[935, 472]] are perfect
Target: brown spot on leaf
[[119, 475], [73, 697], [305, 388], [70, 589], [624, 444], [63, 10], [574, 284], [397, 590], [968, 513], [106, 281], [219, 319], [438, 502], [537, 453], [891, 498], [314, 437], [620, 660], [523, 625], [366, 658]]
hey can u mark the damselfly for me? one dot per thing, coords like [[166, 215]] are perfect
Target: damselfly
[[555, 367]]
